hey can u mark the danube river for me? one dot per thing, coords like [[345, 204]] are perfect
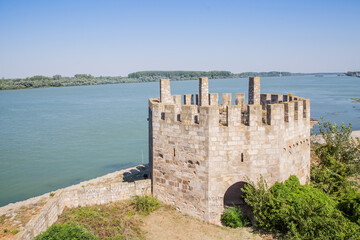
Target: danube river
[[56, 137]]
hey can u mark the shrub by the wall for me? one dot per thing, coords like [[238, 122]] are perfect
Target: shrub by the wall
[[146, 204], [233, 217], [298, 211], [66, 231]]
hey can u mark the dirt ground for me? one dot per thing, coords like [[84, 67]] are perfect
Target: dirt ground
[[171, 224]]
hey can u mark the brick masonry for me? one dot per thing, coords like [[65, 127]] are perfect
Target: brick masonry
[[198, 151]]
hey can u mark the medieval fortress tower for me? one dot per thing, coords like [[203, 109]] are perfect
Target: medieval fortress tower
[[200, 150]]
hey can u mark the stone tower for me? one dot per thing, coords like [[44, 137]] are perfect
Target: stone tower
[[202, 151]]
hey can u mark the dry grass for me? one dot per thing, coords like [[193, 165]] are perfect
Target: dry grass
[[114, 221], [120, 220], [167, 223], [13, 221]]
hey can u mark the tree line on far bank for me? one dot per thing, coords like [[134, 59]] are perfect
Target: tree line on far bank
[[40, 81]]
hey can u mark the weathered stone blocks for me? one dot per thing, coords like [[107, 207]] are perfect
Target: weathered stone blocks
[[211, 147]]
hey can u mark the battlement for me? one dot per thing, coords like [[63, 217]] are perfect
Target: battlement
[[201, 148], [203, 108]]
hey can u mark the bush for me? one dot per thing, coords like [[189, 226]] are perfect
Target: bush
[[299, 212], [146, 204], [65, 231], [340, 145], [234, 218], [339, 159], [330, 176], [349, 204]]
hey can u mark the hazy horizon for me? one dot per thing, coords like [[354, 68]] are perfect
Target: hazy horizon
[[172, 70], [114, 38]]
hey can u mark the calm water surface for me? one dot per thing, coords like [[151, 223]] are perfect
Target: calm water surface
[[52, 138]]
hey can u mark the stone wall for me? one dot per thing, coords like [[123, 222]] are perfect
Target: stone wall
[[198, 152], [102, 190]]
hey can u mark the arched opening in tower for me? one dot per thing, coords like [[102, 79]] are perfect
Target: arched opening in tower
[[234, 196]]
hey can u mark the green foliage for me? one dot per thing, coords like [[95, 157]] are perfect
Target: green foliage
[[234, 218], [146, 204], [298, 211], [349, 204], [330, 176], [65, 231], [60, 81], [338, 160], [88, 76], [110, 221], [146, 76], [339, 145]]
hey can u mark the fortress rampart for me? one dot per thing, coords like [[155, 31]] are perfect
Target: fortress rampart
[[200, 149]]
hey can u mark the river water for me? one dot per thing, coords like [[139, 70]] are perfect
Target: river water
[[56, 137]]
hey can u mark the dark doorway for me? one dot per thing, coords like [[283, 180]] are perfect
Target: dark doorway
[[234, 195]]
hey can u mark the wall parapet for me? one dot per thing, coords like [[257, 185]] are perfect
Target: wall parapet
[[298, 109], [101, 190]]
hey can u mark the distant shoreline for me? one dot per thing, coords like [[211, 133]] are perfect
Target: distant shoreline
[[137, 77]]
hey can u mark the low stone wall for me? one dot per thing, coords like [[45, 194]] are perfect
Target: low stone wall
[[102, 190]]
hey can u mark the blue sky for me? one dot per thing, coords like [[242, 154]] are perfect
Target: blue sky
[[113, 38]]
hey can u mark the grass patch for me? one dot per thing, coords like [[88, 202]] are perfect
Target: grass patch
[[120, 220], [66, 231], [145, 205]]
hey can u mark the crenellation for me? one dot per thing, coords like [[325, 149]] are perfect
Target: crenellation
[[285, 98], [214, 99], [203, 91], [276, 98], [298, 110], [170, 113], [275, 114], [197, 151], [306, 105], [165, 92], [265, 99], [188, 99], [255, 115], [177, 100], [226, 99], [188, 113], [240, 100], [233, 115], [254, 90], [289, 112]]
